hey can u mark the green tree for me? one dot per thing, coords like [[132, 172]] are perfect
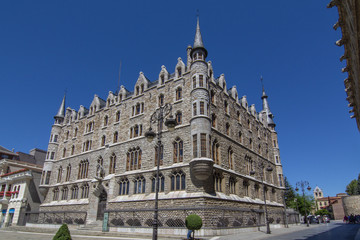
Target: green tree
[[193, 222], [304, 204], [352, 187], [290, 194], [63, 233], [358, 184], [322, 212]]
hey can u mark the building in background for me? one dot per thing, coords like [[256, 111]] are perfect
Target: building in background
[[19, 184], [349, 22], [98, 159], [333, 204]]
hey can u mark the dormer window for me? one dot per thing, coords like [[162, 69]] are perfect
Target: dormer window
[[178, 93], [162, 79], [161, 100], [142, 88], [137, 90], [179, 71], [120, 97]]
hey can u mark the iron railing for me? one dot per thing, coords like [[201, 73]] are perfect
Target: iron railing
[[56, 217]]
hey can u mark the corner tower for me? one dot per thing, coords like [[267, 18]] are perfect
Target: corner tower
[[201, 163], [52, 148]]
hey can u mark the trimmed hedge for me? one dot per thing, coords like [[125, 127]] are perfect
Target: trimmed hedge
[[63, 233], [193, 222]]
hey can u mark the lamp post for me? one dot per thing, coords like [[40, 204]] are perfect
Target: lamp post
[[261, 168], [158, 117], [303, 185], [297, 209]]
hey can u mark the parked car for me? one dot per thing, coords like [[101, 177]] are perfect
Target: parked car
[[313, 219]]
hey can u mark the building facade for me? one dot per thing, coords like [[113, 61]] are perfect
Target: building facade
[[349, 22], [333, 204], [19, 184], [99, 160]]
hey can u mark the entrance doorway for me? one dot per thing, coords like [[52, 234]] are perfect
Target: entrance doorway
[[101, 205]]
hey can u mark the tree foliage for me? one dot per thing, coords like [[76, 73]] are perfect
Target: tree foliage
[[353, 187], [63, 233], [290, 194], [193, 222], [322, 212]]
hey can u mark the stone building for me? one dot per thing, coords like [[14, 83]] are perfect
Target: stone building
[[19, 184], [99, 160], [333, 204], [349, 22]]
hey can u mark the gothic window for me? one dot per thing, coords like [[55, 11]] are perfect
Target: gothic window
[[161, 183], [136, 131], [232, 184], [281, 182], [112, 165], [202, 108], [240, 137], [59, 174], [64, 152], [218, 180], [108, 103], [47, 179], [195, 152], [251, 143], [137, 90], [162, 78], [178, 118], [178, 150], [75, 132], [178, 181], [216, 152], [133, 159], [124, 186], [277, 159], [249, 164], [194, 109], [103, 140], [226, 106], [203, 144], [139, 185], [238, 116], [257, 190], [72, 150], [55, 138], [231, 158], [259, 149], [85, 191], [83, 169], [246, 187], [117, 116], [137, 109], [115, 139], [74, 192], [87, 145], [201, 81], [213, 120], [52, 155], [68, 172], [249, 124], [274, 143], [56, 194], [106, 120], [161, 100], [179, 71], [142, 88], [194, 81], [67, 135], [64, 193], [178, 93], [120, 97], [227, 128], [161, 155], [212, 97]]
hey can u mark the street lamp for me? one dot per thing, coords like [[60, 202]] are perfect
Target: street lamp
[[158, 117], [261, 168], [303, 185]]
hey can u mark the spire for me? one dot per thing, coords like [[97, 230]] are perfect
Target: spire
[[61, 112], [198, 42], [266, 108]]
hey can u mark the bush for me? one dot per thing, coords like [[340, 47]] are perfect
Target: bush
[[193, 222], [63, 233]]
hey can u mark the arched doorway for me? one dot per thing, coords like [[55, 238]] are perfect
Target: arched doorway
[[101, 205]]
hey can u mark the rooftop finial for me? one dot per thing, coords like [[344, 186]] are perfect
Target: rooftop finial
[[198, 42], [263, 89], [61, 112]]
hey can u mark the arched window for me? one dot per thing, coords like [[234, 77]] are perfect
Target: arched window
[[240, 137], [67, 135], [238, 116], [85, 190], [56, 194], [137, 109], [137, 90], [162, 79], [161, 100], [231, 158], [212, 97], [201, 81], [227, 126], [178, 150], [218, 181], [216, 152], [161, 183], [251, 143], [99, 168], [259, 149], [74, 192], [64, 193], [103, 140], [83, 169], [60, 170], [178, 118], [178, 181], [117, 116], [139, 185], [120, 97], [257, 190], [161, 154], [72, 150], [124, 186], [64, 152], [142, 88], [108, 103], [232, 185], [178, 93], [75, 132], [115, 139], [133, 159], [112, 165], [68, 173], [246, 187], [179, 71], [106, 120], [213, 120], [226, 106]]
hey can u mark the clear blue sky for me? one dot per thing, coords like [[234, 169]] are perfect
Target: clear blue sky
[[49, 46]]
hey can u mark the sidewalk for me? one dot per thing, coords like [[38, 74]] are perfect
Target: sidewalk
[[81, 234]]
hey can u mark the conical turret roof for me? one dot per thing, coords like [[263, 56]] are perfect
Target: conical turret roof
[[61, 111]]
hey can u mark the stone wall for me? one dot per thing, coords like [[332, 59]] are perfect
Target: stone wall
[[351, 205]]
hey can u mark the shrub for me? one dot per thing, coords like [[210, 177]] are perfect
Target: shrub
[[63, 233], [193, 222]]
